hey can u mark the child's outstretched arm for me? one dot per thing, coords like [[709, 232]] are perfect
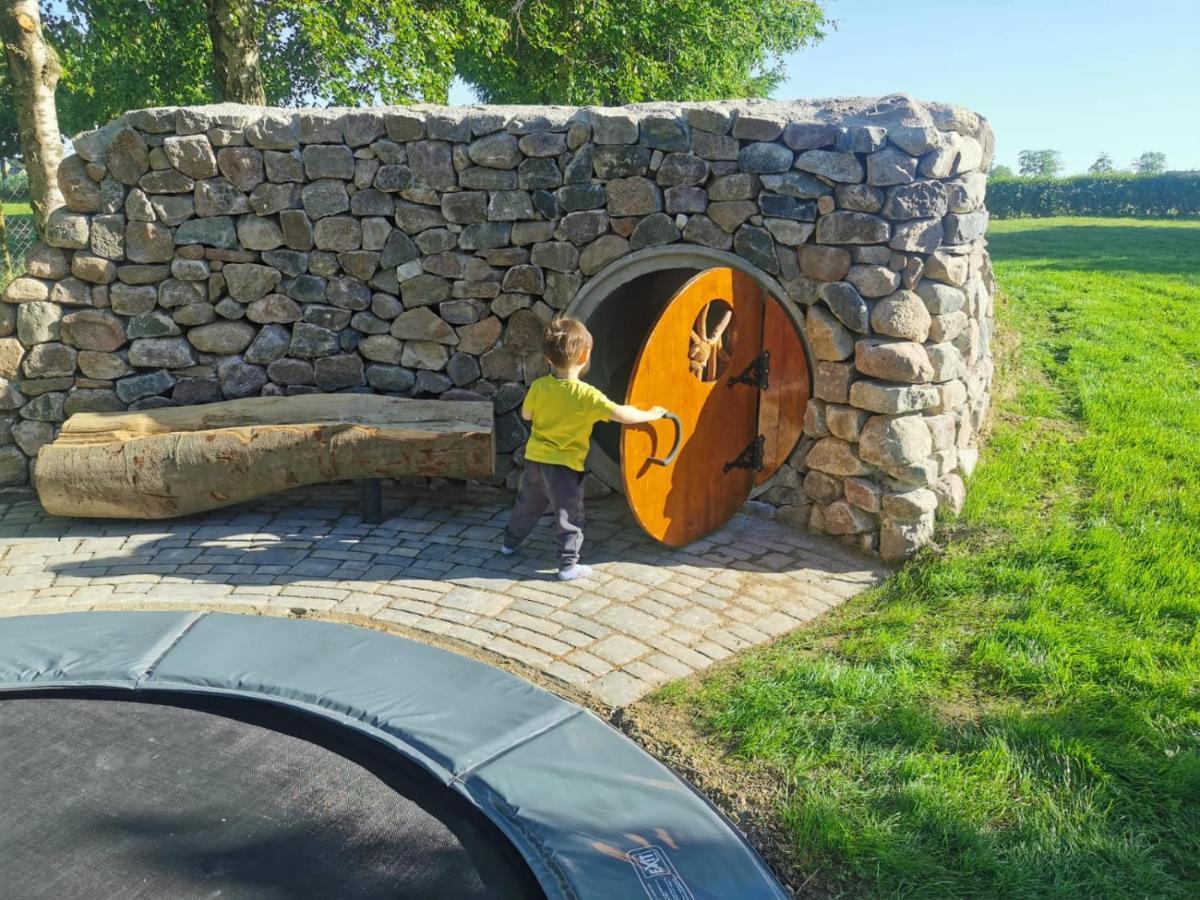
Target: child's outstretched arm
[[632, 415]]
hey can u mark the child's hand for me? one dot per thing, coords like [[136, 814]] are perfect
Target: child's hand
[[657, 412]]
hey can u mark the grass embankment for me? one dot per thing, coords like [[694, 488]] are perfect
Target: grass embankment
[[1017, 714]]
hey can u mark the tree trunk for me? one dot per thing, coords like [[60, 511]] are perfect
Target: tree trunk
[[160, 463], [33, 66], [233, 25]]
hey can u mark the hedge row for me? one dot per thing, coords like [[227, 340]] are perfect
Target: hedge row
[[1175, 194]]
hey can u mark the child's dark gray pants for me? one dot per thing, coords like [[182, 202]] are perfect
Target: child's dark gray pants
[[554, 489]]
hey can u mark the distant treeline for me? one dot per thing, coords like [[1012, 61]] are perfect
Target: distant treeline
[[1172, 194]]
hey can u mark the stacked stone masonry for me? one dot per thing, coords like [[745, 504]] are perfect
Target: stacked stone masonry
[[210, 253]]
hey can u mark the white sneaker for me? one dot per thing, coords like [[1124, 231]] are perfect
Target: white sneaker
[[506, 550], [574, 572]]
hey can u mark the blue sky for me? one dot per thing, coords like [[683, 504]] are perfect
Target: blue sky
[[1078, 76]]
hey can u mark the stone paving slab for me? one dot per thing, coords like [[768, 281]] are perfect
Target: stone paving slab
[[648, 615]]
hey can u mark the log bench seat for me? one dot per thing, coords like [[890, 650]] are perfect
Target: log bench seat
[[161, 463]]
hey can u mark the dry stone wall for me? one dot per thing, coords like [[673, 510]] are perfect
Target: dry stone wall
[[216, 252]]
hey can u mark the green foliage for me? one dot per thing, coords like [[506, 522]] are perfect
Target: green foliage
[[1102, 166], [1039, 162], [1150, 163], [1017, 714], [117, 55], [363, 52], [1003, 172], [1176, 194], [627, 51], [10, 144]]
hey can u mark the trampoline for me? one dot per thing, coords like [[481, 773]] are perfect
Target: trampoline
[[152, 754]]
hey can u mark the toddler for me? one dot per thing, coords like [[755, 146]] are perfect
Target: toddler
[[563, 410]]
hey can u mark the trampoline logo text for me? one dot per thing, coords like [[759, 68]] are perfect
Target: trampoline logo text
[[659, 878]]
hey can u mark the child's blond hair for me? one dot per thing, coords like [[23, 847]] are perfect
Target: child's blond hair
[[566, 343]]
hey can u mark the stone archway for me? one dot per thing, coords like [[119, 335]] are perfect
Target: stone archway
[[621, 302]]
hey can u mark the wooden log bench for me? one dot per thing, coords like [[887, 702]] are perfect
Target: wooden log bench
[[161, 463]]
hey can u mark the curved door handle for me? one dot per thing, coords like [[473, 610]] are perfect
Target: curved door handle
[[670, 457]]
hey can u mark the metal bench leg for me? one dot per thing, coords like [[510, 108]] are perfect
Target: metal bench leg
[[372, 500]]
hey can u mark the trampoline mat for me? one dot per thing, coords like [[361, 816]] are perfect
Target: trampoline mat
[[134, 799]]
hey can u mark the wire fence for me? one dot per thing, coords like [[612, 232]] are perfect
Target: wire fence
[[17, 232]]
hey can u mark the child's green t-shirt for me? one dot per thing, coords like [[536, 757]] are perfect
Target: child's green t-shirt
[[563, 414]]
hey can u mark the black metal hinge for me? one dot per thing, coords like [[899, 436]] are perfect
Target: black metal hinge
[[750, 458], [755, 374]]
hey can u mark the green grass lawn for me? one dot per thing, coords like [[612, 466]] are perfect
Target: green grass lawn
[[16, 209], [1018, 713]]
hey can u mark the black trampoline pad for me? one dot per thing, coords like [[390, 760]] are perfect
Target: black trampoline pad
[[105, 798]]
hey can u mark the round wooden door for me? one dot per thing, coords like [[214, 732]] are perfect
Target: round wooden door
[[704, 361]]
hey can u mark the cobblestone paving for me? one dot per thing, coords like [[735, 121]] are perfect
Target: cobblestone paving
[[649, 614]]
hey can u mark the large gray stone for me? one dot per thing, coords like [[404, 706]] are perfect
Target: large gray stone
[[137, 387], [259, 234], [127, 157], [664, 133], [324, 198], [485, 236], [422, 324], [221, 197], [192, 155], [66, 229], [465, 207], [149, 325], [765, 158], [895, 440], [51, 360], [222, 338], [328, 161], [240, 379], [217, 231], [39, 322], [901, 315], [890, 166], [873, 280], [682, 169], [337, 234], [79, 190], [148, 242], [312, 341], [834, 165], [756, 246], [496, 151], [247, 282], [828, 338], [621, 162], [845, 303], [885, 397], [919, 200], [904, 361], [941, 299], [391, 379], [595, 256], [161, 353], [509, 206], [703, 230], [919, 235], [845, 227], [107, 238], [654, 230], [964, 228], [345, 370], [634, 196], [270, 344], [424, 290], [432, 164]]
